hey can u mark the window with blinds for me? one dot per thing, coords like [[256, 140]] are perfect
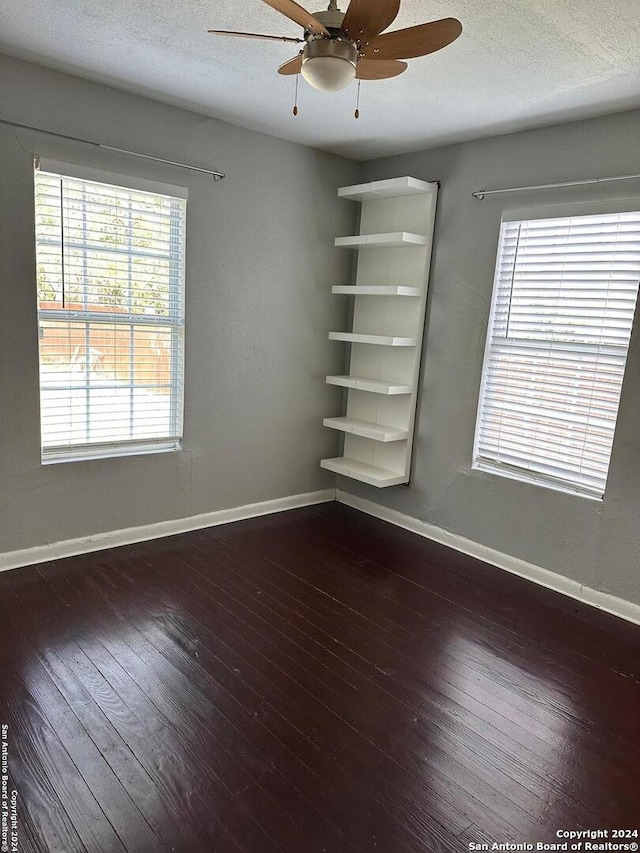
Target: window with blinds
[[110, 283], [563, 304]]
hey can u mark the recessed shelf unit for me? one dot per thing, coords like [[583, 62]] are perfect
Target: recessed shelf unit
[[389, 302]]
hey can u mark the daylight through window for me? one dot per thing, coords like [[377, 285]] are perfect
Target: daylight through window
[[110, 281], [563, 304]]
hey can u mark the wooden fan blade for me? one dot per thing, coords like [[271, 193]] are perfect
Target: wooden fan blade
[[299, 15], [379, 69], [252, 35], [293, 66], [365, 19], [413, 41]]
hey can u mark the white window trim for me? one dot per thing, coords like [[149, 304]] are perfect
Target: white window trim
[[114, 449], [504, 470], [521, 476], [86, 452]]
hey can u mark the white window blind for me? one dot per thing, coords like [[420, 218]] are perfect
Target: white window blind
[[110, 281], [563, 304]]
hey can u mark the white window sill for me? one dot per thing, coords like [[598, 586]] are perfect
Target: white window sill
[[114, 451], [533, 480]]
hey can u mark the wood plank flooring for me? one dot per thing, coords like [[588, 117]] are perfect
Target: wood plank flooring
[[310, 682]]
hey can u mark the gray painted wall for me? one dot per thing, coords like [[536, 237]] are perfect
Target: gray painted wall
[[595, 543], [260, 262]]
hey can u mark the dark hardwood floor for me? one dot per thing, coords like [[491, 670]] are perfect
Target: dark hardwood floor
[[310, 682]]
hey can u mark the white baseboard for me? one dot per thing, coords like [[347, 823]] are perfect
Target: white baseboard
[[602, 600], [130, 535]]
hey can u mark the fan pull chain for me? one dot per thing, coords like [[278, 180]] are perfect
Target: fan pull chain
[[295, 104], [357, 112]]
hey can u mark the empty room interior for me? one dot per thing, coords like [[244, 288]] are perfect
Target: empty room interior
[[320, 448]]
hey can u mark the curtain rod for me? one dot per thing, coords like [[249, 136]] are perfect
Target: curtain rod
[[480, 194], [217, 176]]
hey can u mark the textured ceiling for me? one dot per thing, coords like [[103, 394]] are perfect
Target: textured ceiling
[[518, 64]]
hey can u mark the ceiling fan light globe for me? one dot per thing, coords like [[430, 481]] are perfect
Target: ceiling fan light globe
[[329, 64], [328, 73]]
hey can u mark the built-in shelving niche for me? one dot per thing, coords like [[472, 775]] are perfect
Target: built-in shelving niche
[[390, 294]]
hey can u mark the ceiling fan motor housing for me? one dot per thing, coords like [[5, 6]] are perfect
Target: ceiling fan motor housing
[[332, 19]]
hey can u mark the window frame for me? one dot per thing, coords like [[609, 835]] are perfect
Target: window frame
[[175, 321], [522, 214]]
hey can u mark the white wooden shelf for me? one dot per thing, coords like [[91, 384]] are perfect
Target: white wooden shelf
[[376, 290], [375, 386], [367, 429], [387, 240], [381, 340], [393, 188], [370, 474], [397, 218]]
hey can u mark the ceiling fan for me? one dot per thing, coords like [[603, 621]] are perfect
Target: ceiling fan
[[342, 46]]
